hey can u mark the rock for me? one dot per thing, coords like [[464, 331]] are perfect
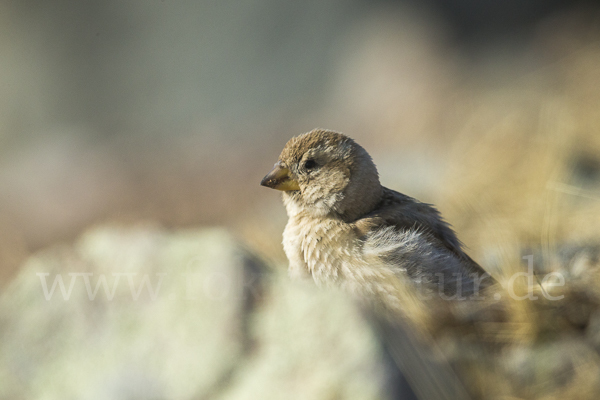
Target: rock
[[139, 312]]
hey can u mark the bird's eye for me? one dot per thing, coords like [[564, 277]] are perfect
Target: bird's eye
[[310, 164]]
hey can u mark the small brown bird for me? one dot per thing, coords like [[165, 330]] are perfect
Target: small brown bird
[[346, 229]]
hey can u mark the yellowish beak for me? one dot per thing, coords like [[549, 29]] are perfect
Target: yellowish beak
[[280, 178]]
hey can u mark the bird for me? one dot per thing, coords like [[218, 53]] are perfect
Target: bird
[[345, 229]]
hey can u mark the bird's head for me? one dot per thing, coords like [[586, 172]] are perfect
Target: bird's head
[[325, 173]]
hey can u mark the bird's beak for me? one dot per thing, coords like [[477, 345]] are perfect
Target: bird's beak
[[280, 178]]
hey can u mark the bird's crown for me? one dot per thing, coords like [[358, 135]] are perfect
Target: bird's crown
[[317, 139]]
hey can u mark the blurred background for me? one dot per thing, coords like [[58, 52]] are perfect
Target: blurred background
[[168, 114]]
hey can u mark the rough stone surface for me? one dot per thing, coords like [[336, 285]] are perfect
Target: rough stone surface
[[216, 325]]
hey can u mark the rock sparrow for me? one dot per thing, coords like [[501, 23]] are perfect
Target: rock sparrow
[[346, 229]]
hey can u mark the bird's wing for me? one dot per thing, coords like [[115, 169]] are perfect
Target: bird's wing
[[405, 213], [412, 237]]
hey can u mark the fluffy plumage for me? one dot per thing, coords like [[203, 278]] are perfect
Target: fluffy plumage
[[346, 229]]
